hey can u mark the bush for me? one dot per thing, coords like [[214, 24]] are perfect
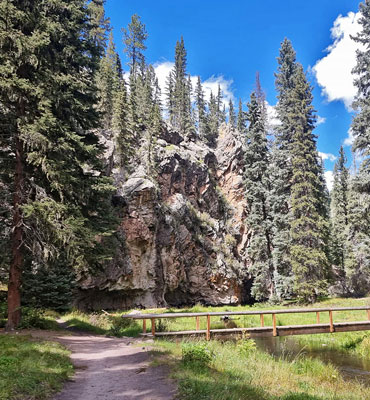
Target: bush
[[32, 318], [118, 325], [162, 325], [198, 353], [245, 346]]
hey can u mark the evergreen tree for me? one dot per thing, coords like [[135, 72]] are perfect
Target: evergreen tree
[[61, 200], [201, 109], [339, 212], [240, 125], [107, 81], [213, 121], [358, 240], [100, 24], [281, 171], [308, 256], [170, 97], [179, 88], [134, 38], [361, 121], [232, 116], [257, 183]]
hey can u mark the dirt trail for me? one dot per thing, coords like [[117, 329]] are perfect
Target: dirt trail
[[112, 369]]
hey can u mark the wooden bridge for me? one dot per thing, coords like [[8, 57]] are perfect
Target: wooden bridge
[[262, 330]]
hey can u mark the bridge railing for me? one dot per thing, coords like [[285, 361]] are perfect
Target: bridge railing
[[261, 313]]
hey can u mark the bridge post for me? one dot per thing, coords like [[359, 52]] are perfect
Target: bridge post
[[262, 320], [144, 325], [318, 317], [331, 321], [208, 333], [274, 331], [368, 315], [197, 322], [153, 326]]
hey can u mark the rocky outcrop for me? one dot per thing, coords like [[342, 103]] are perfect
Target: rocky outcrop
[[182, 237]]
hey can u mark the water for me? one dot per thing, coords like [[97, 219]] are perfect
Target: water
[[350, 366]]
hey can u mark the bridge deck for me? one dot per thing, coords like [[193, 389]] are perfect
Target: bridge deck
[[262, 331], [267, 331]]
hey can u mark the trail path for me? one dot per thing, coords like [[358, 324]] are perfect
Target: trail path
[[112, 369]]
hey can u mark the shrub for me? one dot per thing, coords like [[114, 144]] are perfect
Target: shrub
[[245, 346], [162, 325], [198, 353], [118, 325], [32, 318]]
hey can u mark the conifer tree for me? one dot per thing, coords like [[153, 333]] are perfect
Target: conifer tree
[[281, 172], [107, 81], [61, 199], [358, 241], [170, 97], [308, 256], [100, 24], [179, 88], [257, 184], [201, 109], [339, 212], [361, 121], [213, 121], [134, 37], [232, 116], [240, 125]]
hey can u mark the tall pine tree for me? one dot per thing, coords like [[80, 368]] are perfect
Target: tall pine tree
[[60, 203], [257, 184], [308, 226]]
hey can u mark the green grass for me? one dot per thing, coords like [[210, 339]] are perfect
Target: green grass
[[31, 369], [102, 324], [254, 375]]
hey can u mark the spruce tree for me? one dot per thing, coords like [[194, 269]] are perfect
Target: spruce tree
[[232, 116], [134, 37], [361, 121], [201, 109], [179, 88], [60, 204], [100, 24], [339, 212], [241, 122], [358, 240], [281, 172], [307, 230], [257, 184], [213, 121]]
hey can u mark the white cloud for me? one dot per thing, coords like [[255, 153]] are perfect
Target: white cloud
[[348, 141], [272, 117], [211, 85], [333, 72], [162, 70], [327, 156], [329, 178], [320, 120]]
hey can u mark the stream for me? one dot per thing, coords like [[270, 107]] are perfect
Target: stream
[[350, 366]]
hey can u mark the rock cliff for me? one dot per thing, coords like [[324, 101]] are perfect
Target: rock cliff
[[182, 237]]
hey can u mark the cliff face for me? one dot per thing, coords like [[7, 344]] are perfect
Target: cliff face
[[182, 237]]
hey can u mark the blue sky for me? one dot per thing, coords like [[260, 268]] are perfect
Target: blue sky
[[230, 41]]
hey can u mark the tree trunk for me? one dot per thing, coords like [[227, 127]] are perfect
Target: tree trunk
[[15, 271]]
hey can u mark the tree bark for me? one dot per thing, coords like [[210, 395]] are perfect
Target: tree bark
[[15, 271]]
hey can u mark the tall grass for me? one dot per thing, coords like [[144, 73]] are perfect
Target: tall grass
[[237, 373]]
